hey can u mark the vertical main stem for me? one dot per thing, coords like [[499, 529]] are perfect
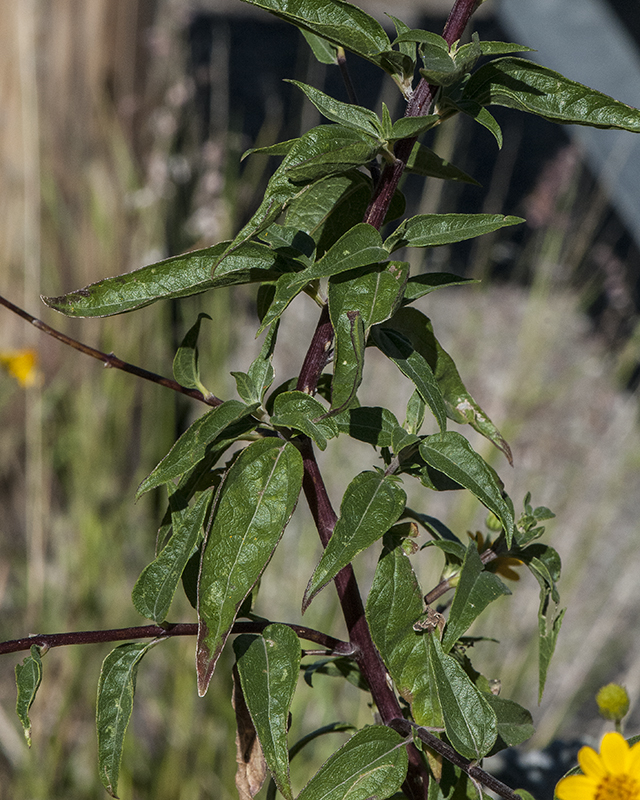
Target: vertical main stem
[[368, 658]]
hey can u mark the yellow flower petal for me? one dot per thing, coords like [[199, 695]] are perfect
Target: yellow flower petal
[[577, 787], [614, 752], [591, 763], [633, 765], [22, 365]]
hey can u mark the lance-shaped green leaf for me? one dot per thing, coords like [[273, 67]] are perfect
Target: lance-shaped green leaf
[[351, 116], [116, 688], [423, 161], [359, 247], [397, 347], [253, 384], [28, 680], [185, 363], [255, 504], [431, 230], [545, 565], [372, 503], [300, 411], [452, 454], [414, 418], [469, 720], [420, 285], [475, 591], [269, 666], [478, 113], [375, 292], [394, 604], [459, 404], [409, 127], [526, 86], [371, 424], [373, 763], [348, 360], [328, 150], [339, 22], [331, 207], [321, 152], [324, 51], [291, 242], [181, 276], [201, 436], [154, 590], [515, 724]]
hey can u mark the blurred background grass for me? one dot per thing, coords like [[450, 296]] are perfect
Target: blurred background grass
[[122, 123]]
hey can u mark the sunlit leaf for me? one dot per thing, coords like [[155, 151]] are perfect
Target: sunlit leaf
[[375, 292], [339, 22], [351, 116], [469, 720], [394, 604], [181, 276], [255, 504], [373, 763], [303, 413], [202, 435], [452, 454], [154, 590], [116, 688], [431, 230], [28, 680], [269, 666], [371, 504], [476, 589], [526, 86]]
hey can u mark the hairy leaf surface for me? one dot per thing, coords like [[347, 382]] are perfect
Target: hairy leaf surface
[[28, 680], [348, 360], [373, 763], [269, 666], [476, 589], [431, 230], [338, 22], [180, 276], [154, 590], [394, 604], [371, 504], [452, 454], [526, 86], [202, 435], [469, 720], [116, 688], [255, 504], [300, 411]]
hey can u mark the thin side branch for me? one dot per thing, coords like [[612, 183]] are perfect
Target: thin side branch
[[48, 640], [406, 728], [109, 359]]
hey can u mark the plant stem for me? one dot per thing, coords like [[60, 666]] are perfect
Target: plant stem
[[109, 359], [475, 772], [419, 104], [366, 655], [48, 640]]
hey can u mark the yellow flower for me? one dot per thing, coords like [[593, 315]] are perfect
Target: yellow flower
[[501, 565], [22, 365], [612, 774]]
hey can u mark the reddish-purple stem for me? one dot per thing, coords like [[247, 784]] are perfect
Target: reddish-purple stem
[[324, 516]]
